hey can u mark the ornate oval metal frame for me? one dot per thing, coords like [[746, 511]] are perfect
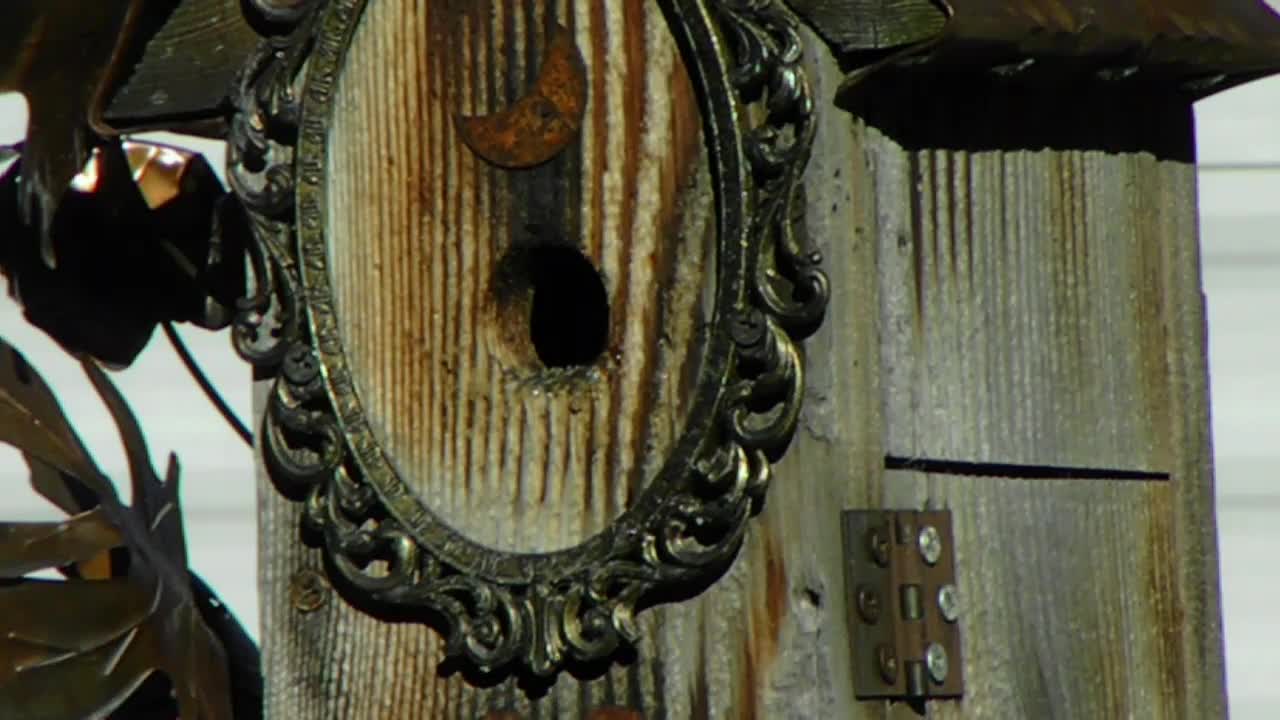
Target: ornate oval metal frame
[[502, 608]]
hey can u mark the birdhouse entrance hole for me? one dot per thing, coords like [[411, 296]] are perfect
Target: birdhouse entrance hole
[[552, 305]]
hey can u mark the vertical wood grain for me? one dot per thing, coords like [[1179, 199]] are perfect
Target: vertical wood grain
[[767, 640], [1041, 307], [433, 302]]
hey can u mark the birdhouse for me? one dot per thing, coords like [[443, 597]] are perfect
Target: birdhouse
[[726, 358], [691, 347]]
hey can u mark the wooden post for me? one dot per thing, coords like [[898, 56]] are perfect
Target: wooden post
[[1015, 333]]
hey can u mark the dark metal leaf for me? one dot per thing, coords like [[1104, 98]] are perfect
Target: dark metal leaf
[[53, 618], [32, 403], [30, 547], [23, 429], [78, 649], [157, 501], [243, 657], [59, 54], [79, 685]]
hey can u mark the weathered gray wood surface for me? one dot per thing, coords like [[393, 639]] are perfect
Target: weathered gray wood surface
[[1053, 319], [1041, 307]]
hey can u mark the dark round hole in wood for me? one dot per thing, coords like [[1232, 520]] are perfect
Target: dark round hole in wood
[[569, 316]]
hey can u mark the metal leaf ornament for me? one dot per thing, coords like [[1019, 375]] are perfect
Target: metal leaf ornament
[[80, 647]]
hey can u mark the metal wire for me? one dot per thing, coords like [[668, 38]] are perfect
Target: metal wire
[[210, 392]]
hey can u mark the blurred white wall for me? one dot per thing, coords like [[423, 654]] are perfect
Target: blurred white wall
[[1241, 238], [1239, 144]]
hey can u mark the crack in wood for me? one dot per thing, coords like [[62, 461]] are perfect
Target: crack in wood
[[1015, 470]]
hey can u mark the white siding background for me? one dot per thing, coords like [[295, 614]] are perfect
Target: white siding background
[[1240, 206]]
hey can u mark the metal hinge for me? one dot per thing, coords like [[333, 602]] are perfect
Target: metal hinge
[[903, 604]]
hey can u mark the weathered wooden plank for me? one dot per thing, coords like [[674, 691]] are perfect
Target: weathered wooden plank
[[1030, 266], [1071, 599], [1023, 285], [1041, 307]]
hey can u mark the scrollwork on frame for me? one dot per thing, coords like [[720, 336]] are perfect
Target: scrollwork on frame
[[540, 611]]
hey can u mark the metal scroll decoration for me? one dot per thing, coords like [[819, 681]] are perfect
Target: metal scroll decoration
[[543, 610]]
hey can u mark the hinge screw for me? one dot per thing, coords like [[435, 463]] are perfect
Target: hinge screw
[[935, 657], [879, 545], [930, 541], [888, 663], [949, 603], [868, 605]]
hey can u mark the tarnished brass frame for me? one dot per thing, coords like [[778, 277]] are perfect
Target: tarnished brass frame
[[539, 610]]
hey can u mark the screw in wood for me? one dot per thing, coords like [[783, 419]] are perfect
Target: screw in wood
[[887, 661], [930, 541], [935, 658], [308, 591], [949, 603], [869, 605], [878, 543]]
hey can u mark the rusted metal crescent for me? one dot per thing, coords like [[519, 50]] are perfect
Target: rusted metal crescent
[[538, 126]]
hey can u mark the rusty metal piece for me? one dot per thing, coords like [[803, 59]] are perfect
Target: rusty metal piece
[[1198, 46], [911, 647], [538, 126]]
